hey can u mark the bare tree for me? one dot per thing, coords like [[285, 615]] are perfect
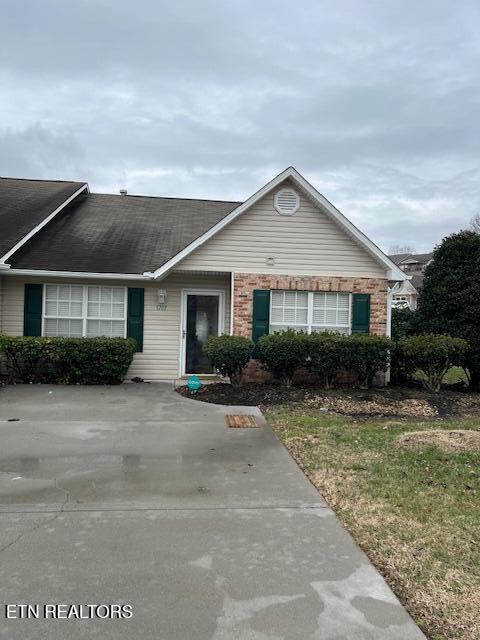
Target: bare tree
[[397, 249], [475, 223]]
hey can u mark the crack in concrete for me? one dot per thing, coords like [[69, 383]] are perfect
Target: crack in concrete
[[37, 526]]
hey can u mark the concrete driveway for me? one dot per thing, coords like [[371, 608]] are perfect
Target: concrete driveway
[[134, 495]]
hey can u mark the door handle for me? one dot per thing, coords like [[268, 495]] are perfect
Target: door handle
[[184, 333]]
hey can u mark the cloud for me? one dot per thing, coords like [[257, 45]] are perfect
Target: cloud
[[376, 103]]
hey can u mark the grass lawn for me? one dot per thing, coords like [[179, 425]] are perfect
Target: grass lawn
[[416, 513]]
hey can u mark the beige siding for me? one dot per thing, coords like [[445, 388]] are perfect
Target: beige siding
[[161, 349], [307, 243]]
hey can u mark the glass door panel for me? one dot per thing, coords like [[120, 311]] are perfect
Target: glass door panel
[[201, 322]]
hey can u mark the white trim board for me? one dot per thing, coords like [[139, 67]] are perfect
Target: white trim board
[[39, 226], [393, 272], [41, 273]]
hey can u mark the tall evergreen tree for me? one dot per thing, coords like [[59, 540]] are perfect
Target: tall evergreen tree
[[450, 297]]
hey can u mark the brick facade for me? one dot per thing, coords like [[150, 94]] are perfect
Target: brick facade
[[245, 283]]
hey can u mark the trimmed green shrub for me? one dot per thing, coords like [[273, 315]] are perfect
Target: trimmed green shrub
[[434, 355], [67, 360], [283, 353], [326, 355], [229, 354], [367, 355]]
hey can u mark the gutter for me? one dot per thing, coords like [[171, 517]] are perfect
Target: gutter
[[74, 274]]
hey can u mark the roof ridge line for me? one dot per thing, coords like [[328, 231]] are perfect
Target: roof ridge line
[[138, 195]]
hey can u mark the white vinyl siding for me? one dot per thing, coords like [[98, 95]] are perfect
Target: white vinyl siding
[[310, 311], [307, 243], [73, 310]]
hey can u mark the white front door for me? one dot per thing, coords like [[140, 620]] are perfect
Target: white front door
[[202, 316]]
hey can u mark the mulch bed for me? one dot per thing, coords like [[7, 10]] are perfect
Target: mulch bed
[[398, 402]]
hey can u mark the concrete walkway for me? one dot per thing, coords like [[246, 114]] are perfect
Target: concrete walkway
[[135, 495]]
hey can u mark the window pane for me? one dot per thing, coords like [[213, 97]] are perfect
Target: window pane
[[106, 294], [331, 316], [76, 309], [63, 308], [118, 310], [318, 308], [64, 292], [93, 294], [111, 328], [331, 311], [277, 298], [77, 293], [51, 292], [63, 327], [51, 308], [118, 295], [64, 301], [106, 302], [289, 307], [276, 315]]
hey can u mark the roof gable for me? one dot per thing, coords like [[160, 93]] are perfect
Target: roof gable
[[304, 243], [393, 272]]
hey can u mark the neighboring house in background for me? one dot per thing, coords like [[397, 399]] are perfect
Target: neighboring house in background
[[172, 271], [406, 293]]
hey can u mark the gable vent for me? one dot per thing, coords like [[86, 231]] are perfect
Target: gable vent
[[286, 202]]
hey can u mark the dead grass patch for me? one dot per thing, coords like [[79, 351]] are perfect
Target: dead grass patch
[[455, 441], [372, 405]]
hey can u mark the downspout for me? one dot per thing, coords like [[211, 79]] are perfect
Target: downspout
[[389, 324], [232, 300]]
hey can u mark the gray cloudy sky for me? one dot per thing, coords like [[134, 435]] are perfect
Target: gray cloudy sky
[[377, 103]]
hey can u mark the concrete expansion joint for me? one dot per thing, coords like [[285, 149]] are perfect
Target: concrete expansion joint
[[64, 509]]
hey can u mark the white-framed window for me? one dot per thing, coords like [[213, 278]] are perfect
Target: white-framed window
[[310, 311], [73, 310]]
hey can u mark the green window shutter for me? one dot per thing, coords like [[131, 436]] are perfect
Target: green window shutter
[[261, 315], [135, 306], [32, 310], [361, 313]]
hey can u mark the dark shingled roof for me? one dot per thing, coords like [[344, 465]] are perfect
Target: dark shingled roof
[[119, 234], [397, 258], [422, 258], [26, 203]]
